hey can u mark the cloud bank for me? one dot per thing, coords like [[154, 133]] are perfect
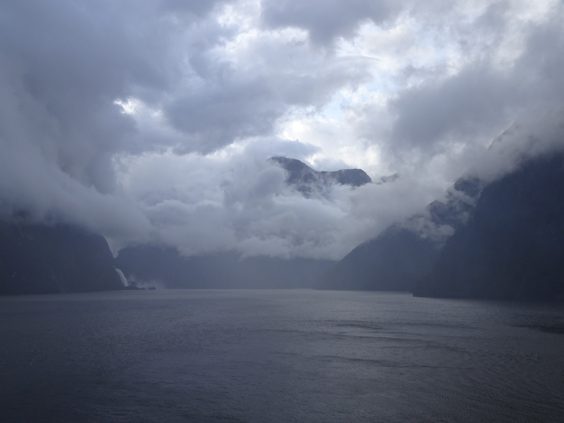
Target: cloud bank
[[153, 121]]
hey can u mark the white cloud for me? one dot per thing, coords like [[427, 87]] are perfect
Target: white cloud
[[154, 120]]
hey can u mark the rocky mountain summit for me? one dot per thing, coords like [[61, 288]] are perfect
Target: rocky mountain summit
[[308, 180]]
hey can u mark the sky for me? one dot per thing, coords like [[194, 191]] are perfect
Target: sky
[[152, 122]]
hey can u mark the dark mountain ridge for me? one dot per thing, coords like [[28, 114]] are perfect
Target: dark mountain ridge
[[397, 258], [41, 259], [511, 248]]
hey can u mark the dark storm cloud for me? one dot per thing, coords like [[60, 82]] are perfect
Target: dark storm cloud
[[505, 76], [326, 19], [195, 7], [153, 120], [62, 65], [240, 102], [475, 98], [65, 63], [70, 70]]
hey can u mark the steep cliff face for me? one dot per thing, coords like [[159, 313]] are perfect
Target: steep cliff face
[[40, 259], [402, 254], [221, 270], [511, 247]]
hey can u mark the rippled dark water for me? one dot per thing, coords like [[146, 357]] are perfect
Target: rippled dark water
[[278, 356]]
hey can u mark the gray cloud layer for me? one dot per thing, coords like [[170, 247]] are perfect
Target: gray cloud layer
[[152, 121], [326, 19]]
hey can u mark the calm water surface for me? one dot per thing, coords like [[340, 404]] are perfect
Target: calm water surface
[[278, 356]]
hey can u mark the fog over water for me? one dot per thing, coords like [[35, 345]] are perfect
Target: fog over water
[[279, 356]]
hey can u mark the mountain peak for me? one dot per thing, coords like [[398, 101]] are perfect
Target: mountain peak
[[308, 180]]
